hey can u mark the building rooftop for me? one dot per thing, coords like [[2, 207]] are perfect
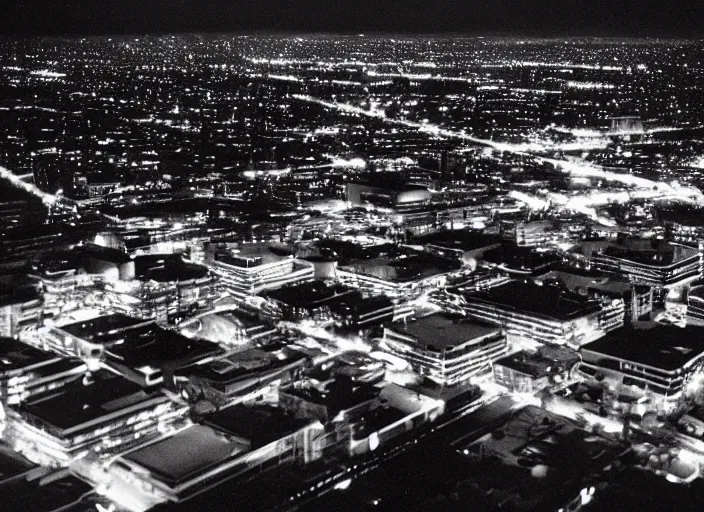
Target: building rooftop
[[461, 239], [589, 282], [58, 491], [310, 295], [249, 255], [685, 215], [549, 301], [18, 287], [521, 259], [529, 364], [187, 453], [167, 268], [109, 254], [58, 262], [12, 464], [260, 424], [666, 347], [443, 332], [250, 362], [651, 252], [401, 269], [152, 346], [103, 327], [15, 355], [69, 408], [537, 460]]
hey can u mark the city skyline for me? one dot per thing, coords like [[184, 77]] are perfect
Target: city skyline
[[350, 272]]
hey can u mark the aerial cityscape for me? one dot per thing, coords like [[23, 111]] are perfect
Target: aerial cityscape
[[282, 272]]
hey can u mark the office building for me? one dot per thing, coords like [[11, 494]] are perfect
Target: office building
[[446, 350], [250, 270], [26, 371], [659, 365], [404, 277], [21, 304], [650, 262], [231, 378], [235, 442], [546, 314], [530, 372], [101, 412], [137, 349]]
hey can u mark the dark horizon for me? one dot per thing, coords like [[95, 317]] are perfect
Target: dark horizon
[[543, 18]]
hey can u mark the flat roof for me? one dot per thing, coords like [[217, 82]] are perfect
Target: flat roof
[[153, 345], [77, 403], [655, 253], [666, 347], [444, 332], [549, 301], [259, 424], [310, 294], [166, 268], [58, 491], [12, 463], [187, 453], [248, 251], [15, 355], [102, 253], [102, 326], [518, 258], [596, 282], [685, 215], [533, 437], [248, 362], [529, 364], [402, 269], [458, 239]]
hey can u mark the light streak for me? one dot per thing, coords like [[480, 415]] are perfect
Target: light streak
[[47, 73], [573, 167], [31, 188]]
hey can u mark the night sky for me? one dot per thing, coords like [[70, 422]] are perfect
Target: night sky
[[474, 17]]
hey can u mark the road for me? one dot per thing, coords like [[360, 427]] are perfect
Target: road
[[455, 429]]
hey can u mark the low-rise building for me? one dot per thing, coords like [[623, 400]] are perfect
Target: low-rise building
[[139, 350], [446, 350], [101, 412], [545, 314], [657, 364], [405, 277], [237, 375], [525, 372], [660, 264], [249, 270], [536, 460], [695, 304], [166, 287], [26, 371], [21, 304], [637, 298], [234, 442]]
